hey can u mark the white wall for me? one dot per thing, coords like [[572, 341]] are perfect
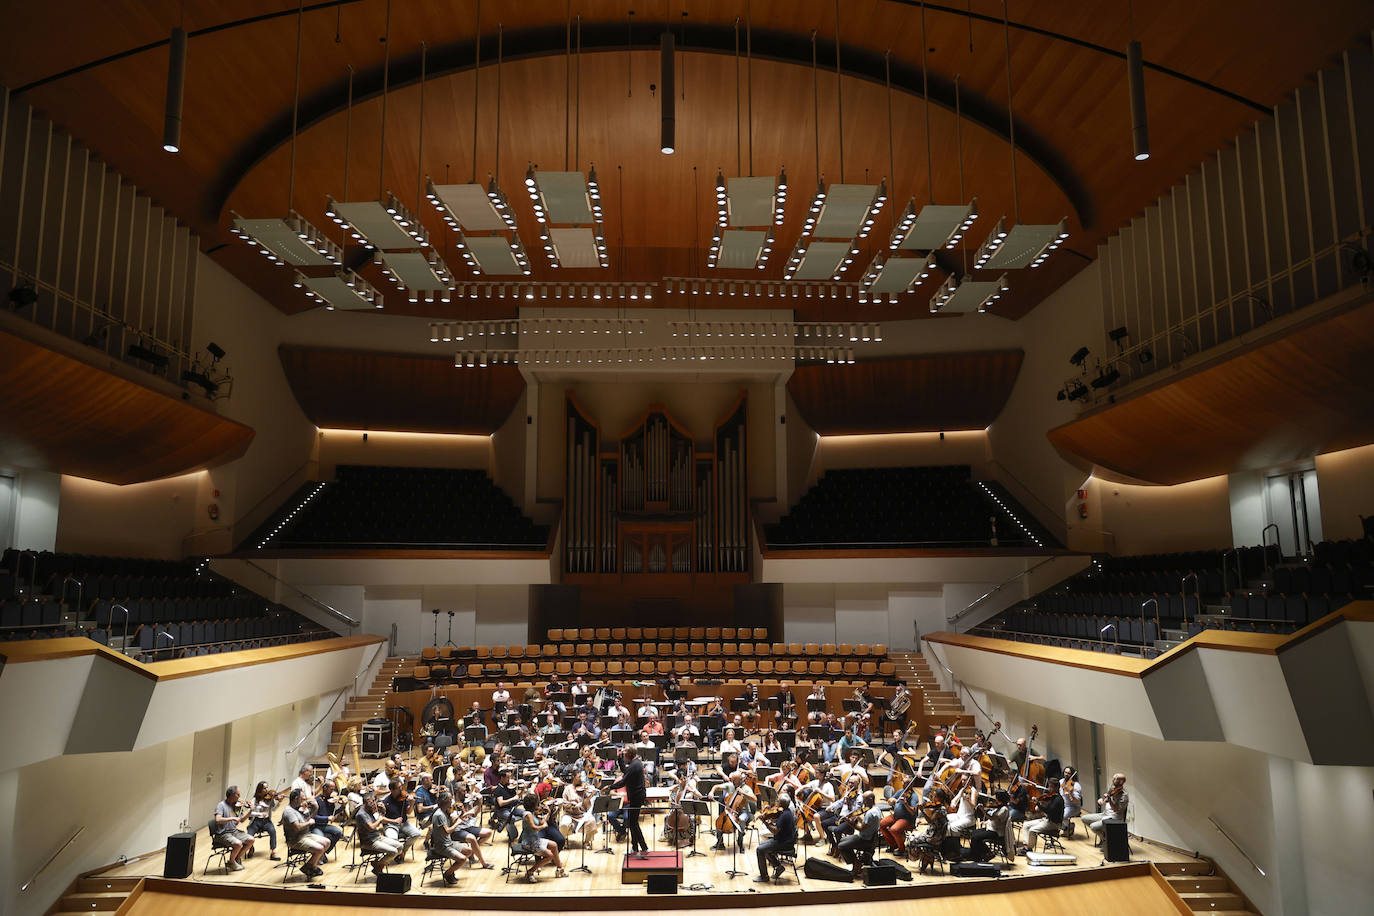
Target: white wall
[[415, 450], [1149, 519], [36, 509], [135, 520], [1345, 483], [384, 606]]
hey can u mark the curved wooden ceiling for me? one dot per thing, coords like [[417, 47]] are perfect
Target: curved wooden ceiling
[[1212, 65], [355, 389], [1306, 393], [62, 414], [944, 391]]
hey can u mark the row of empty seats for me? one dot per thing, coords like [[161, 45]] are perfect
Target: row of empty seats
[[390, 507], [619, 634], [168, 610], [633, 649], [697, 667], [905, 507]]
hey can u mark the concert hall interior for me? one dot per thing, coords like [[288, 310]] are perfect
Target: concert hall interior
[[705, 453]]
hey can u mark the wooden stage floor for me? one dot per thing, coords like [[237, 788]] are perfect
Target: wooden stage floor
[[704, 875]]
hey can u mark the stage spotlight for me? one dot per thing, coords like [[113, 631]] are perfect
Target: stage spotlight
[[1116, 335], [1079, 357], [23, 295], [1078, 391], [215, 350], [1145, 356], [1106, 377]]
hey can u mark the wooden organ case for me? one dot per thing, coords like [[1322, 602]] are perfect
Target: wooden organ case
[[654, 505]]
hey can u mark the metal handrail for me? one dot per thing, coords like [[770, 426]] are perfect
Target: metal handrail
[[1002, 634], [1116, 636], [330, 711], [1055, 516], [124, 640], [1159, 630], [1264, 542], [997, 588], [1239, 848], [1197, 593], [349, 621], [80, 591], [52, 858]]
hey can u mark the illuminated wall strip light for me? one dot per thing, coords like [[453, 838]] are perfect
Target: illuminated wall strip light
[[772, 289], [592, 356], [805, 331], [1010, 514]]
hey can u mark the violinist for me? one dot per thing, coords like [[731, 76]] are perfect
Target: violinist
[[532, 841], [425, 802], [225, 832], [783, 841], [327, 810], [305, 779], [260, 817], [865, 821], [937, 817], [369, 823], [443, 844], [963, 816], [1052, 815], [1072, 791], [577, 818], [466, 810], [296, 821], [1020, 802], [904, 816], [398, 807], [491, 776], [998, 830], [1113, 805], [506, 803]]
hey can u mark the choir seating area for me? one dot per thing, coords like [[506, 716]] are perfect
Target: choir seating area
[[398, 508], [152, 609], [940, 506]]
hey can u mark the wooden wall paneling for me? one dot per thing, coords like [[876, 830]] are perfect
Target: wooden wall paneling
[[1308, 392], [353, 389], [947, 391], [62, 414]]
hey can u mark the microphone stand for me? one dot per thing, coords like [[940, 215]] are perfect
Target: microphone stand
[[732, 872], [449, 641], [435, 612]]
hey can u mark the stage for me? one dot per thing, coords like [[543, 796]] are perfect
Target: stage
[[704, 875]]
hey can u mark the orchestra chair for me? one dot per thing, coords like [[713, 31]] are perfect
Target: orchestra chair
[[555, 635], [222, 855], [634, 634], [618, 634], [1050, 843], [294, 861], [518, 857], [360, 859], [603, 634], [727, 633], [697, 633], [713, 633], [433, 865], [787, 858], [429, 653]]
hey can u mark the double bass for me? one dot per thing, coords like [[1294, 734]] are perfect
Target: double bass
[[1032, 772]]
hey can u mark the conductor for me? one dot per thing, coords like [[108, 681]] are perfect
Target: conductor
[[633, 784]]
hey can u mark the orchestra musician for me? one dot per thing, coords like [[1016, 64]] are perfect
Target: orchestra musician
[[716, 716], [578, 688], [905, 814], [865, 834], [551, 726], [1051, 820], [587, 725], [1020, 754], [297, 823], [816, 717], [260, 817], [442, 842], [425, 800], [687, 732], [783, 841], [532, 841], [964, 817], [495, 763], [632, 781], [500, 699], [327, 810], [305, 779], [998, 830], [577, 818], [751, 710], [819, 784], [728, 744], [727, 790], [225, 831], [369, 823], [937, 822], [787, 706], [652, 725], [506, 806], [398, 807], [1072, 791], [1114, 804]]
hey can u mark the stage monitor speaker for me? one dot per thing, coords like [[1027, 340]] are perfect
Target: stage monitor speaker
[[661, 883], [1118, 844], [181, 853], [974, 870], [825, 871], [880, 876], [393, 883]]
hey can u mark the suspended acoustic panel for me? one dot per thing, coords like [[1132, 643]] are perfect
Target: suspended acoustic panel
[[576, 247], [822, 261], [472, 206], [934, 226], [751, 200], [846, 208], [360, 389], [65, 415], [378, 225], [740, 248], [948, 391], [1282, 400], [418, 271], [494, 255], [565, 196]]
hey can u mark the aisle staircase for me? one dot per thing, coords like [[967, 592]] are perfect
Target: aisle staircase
[[94, 894], [1204, 888], [371, 703], [941, 706]]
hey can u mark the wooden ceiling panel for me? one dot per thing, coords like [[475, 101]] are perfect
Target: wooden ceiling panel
[[355, 389], [943, 391], [1306, 393], [62, 414], [1212, 68]]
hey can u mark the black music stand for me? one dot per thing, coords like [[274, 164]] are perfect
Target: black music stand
[[602, 807], [733, 872], [658, 741], [815, 705], [849, 705], [553, 738], [521, 753], [678, 694], [695, 808], [621, 735], [565, 754], [817, 732], [739, 704], [475, 735], [509, 737]]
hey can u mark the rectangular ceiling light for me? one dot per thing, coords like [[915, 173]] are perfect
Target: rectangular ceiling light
[[579, 247], [288, 241], [472, 207], [1024, 245], [751, 200], [967, 296], [494, 255], [417, 271], [934, 226], [897, 275], [342, 289], [741, 248], [565, 197], [849, 210], [385, 225], [820, 261]]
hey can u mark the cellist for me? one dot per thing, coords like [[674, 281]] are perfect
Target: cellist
[[736, 808]]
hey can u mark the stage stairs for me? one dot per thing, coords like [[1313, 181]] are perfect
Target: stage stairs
[[1204, 888], [94, 894], [941, 706], [371, 703]]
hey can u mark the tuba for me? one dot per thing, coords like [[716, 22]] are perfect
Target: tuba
[[901, 702]]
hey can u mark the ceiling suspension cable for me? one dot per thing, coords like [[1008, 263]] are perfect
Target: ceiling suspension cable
[[1011, 118], [295, 112], [925, 99], [839, 91], [476, 83], [386, 76], [420, 140]]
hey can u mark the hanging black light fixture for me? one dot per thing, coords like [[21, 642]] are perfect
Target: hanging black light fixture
[[176, 85], [667, 93]]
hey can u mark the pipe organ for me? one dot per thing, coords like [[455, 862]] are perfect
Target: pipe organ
[[655, 502]]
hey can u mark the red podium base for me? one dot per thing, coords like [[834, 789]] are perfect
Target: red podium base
[[666, 862]]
